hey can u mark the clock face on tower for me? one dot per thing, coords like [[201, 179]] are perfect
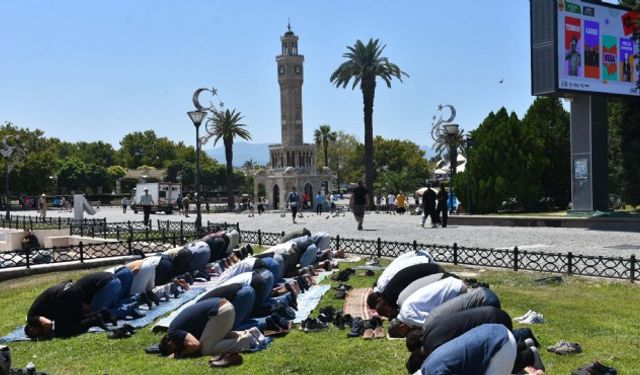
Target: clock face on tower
[[281, 69], [298, 69]]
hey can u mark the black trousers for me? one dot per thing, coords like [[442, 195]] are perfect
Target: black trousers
[[442, 208], [146, 210]]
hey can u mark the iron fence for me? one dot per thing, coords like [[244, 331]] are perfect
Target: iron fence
[[179, 232]]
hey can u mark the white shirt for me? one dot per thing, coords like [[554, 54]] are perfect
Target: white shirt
[[245, 265], [413, 253], [243, 279], [394, 267], [391, 199], [415, 309]]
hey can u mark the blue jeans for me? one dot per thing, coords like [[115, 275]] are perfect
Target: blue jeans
[[262, 284], [125, 275], [243, 302], [490, 298], [109, 298], [309, 256], [200, 258], [273, 266]]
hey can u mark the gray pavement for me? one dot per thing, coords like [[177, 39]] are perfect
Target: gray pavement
[[406, 228]]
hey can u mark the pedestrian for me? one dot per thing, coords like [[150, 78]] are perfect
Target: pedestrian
[[179, 204], [185, 204], [125, 203], [401, 200], [319, 203], [146, 201], [358, 202], [293, 200], [260, 206], [429, 206], [391, 202], [442, 204], [42, 206]]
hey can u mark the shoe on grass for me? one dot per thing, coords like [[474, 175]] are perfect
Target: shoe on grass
[[534, 318], [357, 328], [523, 317], [565, 347]]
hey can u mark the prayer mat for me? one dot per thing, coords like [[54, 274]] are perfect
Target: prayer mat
[[164, 307], [355, 304], [309, 300]]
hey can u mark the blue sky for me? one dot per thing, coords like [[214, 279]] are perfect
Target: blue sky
[[84, 70]]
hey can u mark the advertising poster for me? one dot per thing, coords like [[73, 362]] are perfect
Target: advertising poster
[[591, 49], [626, 60], [572, 43], [595, 50], [609, 58]]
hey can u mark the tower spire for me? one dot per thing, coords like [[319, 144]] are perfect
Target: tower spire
[[289, 23]]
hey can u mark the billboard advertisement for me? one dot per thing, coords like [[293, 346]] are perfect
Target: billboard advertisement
[[596, 52]]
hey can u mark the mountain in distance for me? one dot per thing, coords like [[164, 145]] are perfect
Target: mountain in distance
[[242, 151], [259, 152]]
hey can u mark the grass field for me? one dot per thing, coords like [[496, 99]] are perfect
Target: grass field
[[602, 316]]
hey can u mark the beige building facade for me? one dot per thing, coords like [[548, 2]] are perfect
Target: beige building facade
[[292, 162]]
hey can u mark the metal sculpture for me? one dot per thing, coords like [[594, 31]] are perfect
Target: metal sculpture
[[437, 126]]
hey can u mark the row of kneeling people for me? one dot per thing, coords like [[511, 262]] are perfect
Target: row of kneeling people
[[452, 326], [246, 295]]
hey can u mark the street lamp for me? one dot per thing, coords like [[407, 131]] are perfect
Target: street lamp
[[467, 170], [54, 181], [8, 151], [452, 132], [197, 117]]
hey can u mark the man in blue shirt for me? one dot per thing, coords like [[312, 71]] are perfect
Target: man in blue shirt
[[319, 203], [293, 199]]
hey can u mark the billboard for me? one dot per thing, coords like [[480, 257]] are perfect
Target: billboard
[[595, 50]]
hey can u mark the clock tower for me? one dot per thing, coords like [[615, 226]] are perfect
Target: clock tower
[[292, 163], [290, 78]]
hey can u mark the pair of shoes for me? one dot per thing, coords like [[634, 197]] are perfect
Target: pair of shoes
[[595, 368], [373, 329], [341, 321], [226, 359], [565, 347], [343, 275], [357, 328], [374, 261], [123, 332], [312, 325], [531, 317], [327, 314]]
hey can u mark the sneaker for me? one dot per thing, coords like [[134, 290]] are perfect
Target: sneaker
[[534, 318], [523, 317], [537, 360], [357, 328], [314, 325], [595, 368], [328, 313], [565, 347], [373, 262]]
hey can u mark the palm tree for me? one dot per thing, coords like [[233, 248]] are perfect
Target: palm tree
[[227, 126], [364, 64], [443, 143], [322, 136]]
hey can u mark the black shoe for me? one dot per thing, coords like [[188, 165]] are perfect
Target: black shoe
[[341, 294], [369, 273], [143, 299], [153, 297], [314, 325], [202, 275], [338, 320], [280, 321], [135, 314], [357, 328]]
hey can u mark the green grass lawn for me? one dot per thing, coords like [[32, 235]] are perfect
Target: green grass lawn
[[602, 316]]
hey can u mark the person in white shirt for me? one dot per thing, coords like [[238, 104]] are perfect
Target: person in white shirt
[[391, 202], [417, 307]]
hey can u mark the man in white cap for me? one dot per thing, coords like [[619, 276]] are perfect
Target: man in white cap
[[42, 206], [146, 201]]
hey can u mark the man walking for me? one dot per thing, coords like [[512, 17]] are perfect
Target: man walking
[[429, 206], [146, 201], [185, 205], [125, 203], [358, 202], [293, 200], [443, 197], [42, 206], [319, 203]]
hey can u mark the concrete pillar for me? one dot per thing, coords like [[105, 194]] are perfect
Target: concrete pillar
[[589, 156]]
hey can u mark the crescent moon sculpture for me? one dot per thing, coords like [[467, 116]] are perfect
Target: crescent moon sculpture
[[437, 127], [196, 100]]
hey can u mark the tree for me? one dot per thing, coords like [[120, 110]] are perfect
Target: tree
[[400, 155], [322, 137], [364, 65], [442, 145], [72, 175], [227, 126]]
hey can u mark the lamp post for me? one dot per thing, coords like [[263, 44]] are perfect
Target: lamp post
[[197, 117], [469, 142], [54, 181], [452, 132], [7, 152]]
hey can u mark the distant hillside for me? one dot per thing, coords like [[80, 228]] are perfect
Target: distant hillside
[[242, 151], [259, 152]]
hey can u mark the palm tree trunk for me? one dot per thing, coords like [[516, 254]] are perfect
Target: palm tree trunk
[[325, 143], [368, 92], [228, 153]]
